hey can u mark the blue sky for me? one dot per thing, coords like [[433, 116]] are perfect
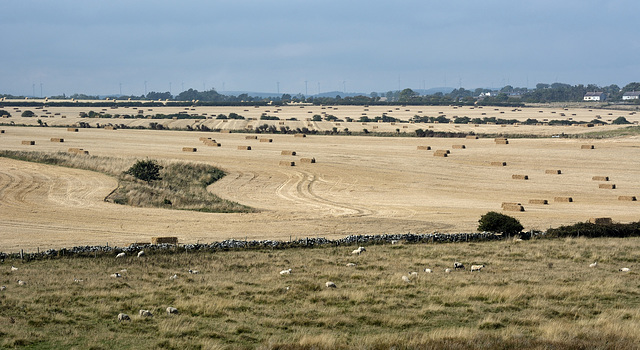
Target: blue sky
[[72, 46]]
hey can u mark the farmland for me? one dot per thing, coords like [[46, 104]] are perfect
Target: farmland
[[358, 185]]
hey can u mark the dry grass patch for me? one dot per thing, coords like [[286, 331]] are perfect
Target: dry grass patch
[[532, 294]]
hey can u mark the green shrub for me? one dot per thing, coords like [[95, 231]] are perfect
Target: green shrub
[[589, 230], [500, 223], [145, 170]]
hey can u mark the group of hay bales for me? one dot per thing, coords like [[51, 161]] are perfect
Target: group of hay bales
[[508, 206], [77, 151], [209, 142]]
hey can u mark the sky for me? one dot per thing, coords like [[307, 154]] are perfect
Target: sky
[[294, 46]]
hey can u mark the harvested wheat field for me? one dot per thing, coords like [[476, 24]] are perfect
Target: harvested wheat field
[[358, 185]]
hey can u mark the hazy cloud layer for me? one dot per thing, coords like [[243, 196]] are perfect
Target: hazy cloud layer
[[94, 46]]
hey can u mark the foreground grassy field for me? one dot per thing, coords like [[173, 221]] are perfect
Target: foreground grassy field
[[537, 294]]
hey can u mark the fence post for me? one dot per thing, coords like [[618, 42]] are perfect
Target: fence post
[[21, 254]]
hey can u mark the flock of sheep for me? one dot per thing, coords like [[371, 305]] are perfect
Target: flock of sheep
[[329, 284]]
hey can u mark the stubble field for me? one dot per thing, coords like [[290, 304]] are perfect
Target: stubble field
[[358, 185]]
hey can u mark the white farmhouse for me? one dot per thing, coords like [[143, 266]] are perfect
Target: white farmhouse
[[594, 96], [631, 95]]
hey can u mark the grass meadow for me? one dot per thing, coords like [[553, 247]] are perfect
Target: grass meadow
[[538, 294]]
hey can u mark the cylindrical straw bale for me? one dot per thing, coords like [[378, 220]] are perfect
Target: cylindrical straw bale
[[563, 199], [307, 160], [56, 139], [300, 135], [538, 201], [287, 163], [627, 198], [266, 140], [251, 137], [607, 186], [288, 153], [72, 129], [459, 146], [424, 148], [244, 148], [472, 137], [441, 153], [189, 149], [553, 171], [587, 147], [519, 177], [498, 163], [29, 143], [600, 178]]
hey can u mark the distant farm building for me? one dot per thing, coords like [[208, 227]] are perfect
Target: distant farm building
[[631, 95], [595, 96]]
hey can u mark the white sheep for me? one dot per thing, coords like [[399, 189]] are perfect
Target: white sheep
[[13, 268], [457, 265], [406, 279], [594, 264], [427, 270], [115, 275], [394, 242], [413, 274], [285, 272], [476, 267], [351, 265], [172, 310], [145, 313], [77, 280], [123, 317], [22, 283], [447, 270], [140, 253], [624, 269], [330, 285], [359, 250], [121, 255], [3, 288], [173, 277], [194, 272]]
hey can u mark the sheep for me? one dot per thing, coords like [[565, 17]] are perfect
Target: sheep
[[427, 270], [406, 279], [624, 269], [394, 242], [173, 277], [194, 272], [594, 264], [457, 265], [115, 275], [123, 271], [141, 253], [359, 250], [351, 265], [285, 272], [330, 285], [447, 270], [3, 288], [13, 268], [476, 267], [413, 274], [145, 313], [172, 310], [123, 317], [121, 255], [77, 280], [22, 283]]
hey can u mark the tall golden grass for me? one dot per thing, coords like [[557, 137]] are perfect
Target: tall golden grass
[[531, 295]]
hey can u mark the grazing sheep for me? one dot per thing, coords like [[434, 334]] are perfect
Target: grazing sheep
[[285, 272], [13, 268], [413, 273], [594, 264], [447, 270], [145, 313], [330, 285], [115, 275], [476, 267], [123, 317], [194, 272], [173, 277], [123, 271], [22, 283], [457, 265], [359, 250], [3, 288], [427, 270], [77, 280], [406, 279], [624, 269], [394, 242], [351, 264], [140, 253], [172, 310], [121, 255]]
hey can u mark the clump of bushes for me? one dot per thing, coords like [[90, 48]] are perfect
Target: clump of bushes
[[499, 223], [589, 230]]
